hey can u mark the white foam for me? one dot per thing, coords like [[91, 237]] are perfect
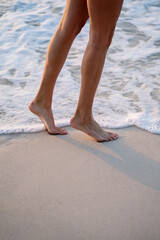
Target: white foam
[[129, 90]]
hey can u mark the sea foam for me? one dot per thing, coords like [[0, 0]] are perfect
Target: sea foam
[[129, 90]]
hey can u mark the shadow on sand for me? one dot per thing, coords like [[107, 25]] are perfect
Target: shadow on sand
[[132, 163]]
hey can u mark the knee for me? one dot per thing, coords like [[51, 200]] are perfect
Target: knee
[[71, 30], [101, 39], [78, 27]]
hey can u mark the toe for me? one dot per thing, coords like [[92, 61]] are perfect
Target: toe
[[57, 131], [53, 132], [100, 139], [111, 138], [103, 140], [114, 136], [61, 131], [108, 137]]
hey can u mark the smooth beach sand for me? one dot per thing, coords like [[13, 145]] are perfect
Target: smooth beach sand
[[73, 188]]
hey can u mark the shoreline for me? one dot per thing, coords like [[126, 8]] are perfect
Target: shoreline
[[36, 128]]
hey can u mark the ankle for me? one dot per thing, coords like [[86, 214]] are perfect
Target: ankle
[[41, 102], [84, 116]]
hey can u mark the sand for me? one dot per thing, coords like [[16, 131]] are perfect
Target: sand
[[73, 188]]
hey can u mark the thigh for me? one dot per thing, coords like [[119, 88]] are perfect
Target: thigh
[[76, 12], [103, 14]]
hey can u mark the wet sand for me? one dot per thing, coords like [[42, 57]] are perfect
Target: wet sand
[[73, 188]]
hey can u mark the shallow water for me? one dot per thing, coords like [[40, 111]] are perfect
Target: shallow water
[[129, 90]]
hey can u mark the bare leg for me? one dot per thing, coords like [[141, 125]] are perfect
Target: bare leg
[[103, 16], [75, 16]]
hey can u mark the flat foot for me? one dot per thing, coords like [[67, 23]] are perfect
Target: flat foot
[[46, 117], [93, 129]]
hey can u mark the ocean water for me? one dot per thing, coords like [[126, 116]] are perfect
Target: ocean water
[[129, 90]]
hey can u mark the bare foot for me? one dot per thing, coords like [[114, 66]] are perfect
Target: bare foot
[[92, 128], [46, 117]]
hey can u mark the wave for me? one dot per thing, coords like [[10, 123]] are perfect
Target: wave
[[141, 122]]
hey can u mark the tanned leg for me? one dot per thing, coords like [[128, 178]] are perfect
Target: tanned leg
[[75, 16], [103, 16]]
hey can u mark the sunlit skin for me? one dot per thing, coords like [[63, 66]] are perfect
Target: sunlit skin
[[103, 15]]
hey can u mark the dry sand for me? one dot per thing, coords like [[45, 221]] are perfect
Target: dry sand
[[73, 188]]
